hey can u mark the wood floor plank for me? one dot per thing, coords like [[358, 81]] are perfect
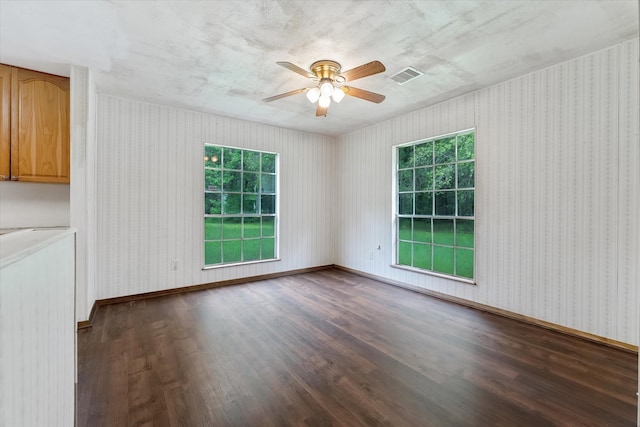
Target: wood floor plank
[[329, 348]]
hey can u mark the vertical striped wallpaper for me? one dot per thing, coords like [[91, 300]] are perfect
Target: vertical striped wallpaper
[[557, 193], [83, 186], [628, 172], [37, 345], [150, 195]]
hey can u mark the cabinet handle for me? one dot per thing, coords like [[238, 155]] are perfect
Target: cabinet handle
[[14, 178]]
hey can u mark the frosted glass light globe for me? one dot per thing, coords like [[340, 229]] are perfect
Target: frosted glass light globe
[[324, 101], [326, 88], [313, 94]]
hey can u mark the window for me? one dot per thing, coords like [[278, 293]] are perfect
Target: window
[[240, 205], [435, 205]]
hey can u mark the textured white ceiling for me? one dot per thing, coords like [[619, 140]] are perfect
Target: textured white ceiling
[[220, 56]]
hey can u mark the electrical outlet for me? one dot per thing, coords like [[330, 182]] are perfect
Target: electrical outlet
[[174, 265]]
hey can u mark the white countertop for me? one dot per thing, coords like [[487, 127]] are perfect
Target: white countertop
[[19, 244]]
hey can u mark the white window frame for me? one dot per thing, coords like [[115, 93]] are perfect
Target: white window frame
[[275, 215], [395, 238]]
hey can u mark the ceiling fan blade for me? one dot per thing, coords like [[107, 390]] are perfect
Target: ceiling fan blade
[[369, 69], [284, 95], [296, 69], [363, 94], [321, 111]]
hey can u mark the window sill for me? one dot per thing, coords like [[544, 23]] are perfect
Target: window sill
[[239, 264], [433, 273]]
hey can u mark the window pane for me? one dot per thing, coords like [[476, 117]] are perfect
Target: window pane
[[465, 175], [465, 203], [267, 204], [443, 259], [268, 246], [405, 157], [444, 177], [251, 182], [424, 179], [424, 203], [404, 253], [212, 180], [267, 183], [404, 228], [251, 161], [435, 196], [232, 250], [249, 203], [268, 162], [232, 158], [232, 181], [405, 180], [464, 233], [405, 204], [464, 263], [268, 226], [422, 256], [422, 230], [212, 228], [445, 150], [212, 205], [251, 250], [239, 185], [212, 156], [232, 228], [443, 231], [251, 227], [424, 154], [465, 146], [446, 203], [212, 253], [232, 203]]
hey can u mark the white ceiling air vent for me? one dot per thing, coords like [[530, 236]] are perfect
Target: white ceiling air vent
[[406, 75]]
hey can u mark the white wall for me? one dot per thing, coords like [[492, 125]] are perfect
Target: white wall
[[150, 196], [557, 193], [31, 204], [637, 155], [83, 186], [37, 351]]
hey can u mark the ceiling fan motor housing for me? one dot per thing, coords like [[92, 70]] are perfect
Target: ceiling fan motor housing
[[325, 69]]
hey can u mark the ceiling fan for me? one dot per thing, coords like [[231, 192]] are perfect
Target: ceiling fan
[[331, 83]]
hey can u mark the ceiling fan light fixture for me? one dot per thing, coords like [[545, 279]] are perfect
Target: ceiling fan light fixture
[[324, 100], [313, 94], [330, 83], [337, 94]]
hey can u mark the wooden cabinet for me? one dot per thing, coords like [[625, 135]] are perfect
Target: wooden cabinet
[[5, 122], [34, 120]]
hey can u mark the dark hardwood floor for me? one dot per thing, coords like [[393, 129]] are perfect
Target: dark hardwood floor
[[331, 348]]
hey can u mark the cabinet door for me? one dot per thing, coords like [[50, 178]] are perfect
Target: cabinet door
[[39, 126], [5, 123]]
